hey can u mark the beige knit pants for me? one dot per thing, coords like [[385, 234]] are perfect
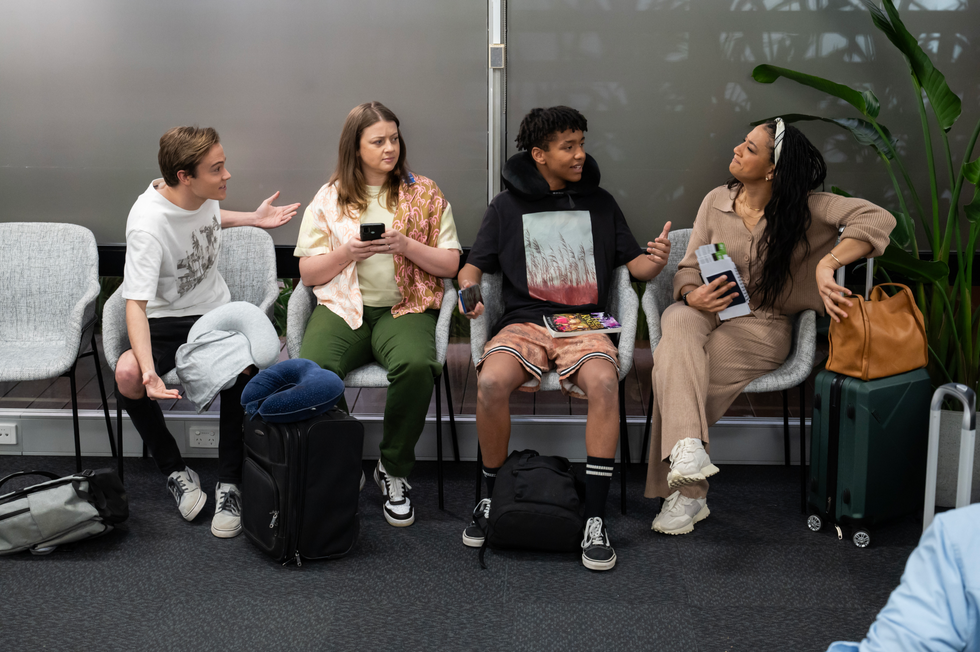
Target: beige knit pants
[[699, 367]]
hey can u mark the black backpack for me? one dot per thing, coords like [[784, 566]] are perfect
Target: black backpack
[[537, 505]]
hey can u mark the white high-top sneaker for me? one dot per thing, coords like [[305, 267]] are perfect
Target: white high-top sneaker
[[689, 463], [680, 513]]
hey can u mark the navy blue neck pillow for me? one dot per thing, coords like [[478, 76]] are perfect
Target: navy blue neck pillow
[[291, 390]]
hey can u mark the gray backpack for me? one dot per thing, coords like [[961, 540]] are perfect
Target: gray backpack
[[41, 517]]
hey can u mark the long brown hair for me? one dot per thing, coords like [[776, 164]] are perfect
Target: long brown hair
[[348, 176]]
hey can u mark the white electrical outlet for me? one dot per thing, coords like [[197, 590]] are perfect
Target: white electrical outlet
[[202, 438], [8, 434]]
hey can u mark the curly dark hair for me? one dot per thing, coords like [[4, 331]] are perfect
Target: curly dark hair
[[541, 126], [801, 169]]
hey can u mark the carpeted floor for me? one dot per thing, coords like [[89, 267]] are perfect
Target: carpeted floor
[[750, 577]]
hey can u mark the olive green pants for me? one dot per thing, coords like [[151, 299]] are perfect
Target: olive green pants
[[405, 346]]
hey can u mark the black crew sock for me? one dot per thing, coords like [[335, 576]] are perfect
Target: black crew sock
[[598, 475], [490, 475]]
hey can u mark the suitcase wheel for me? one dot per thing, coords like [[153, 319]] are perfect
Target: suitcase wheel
[[861, 538], [814, 523]]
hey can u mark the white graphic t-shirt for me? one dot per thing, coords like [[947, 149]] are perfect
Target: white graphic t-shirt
[[171, 256]]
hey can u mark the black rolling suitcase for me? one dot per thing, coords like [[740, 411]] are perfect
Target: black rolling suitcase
[[300, 486]]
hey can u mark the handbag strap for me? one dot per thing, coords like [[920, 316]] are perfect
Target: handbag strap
[[46, 474], [878, 290]]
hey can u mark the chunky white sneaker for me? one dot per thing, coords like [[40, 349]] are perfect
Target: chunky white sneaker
[[597, 551], [398, 506], [689, 463], [679, 514], [227, 521], [185, 487]]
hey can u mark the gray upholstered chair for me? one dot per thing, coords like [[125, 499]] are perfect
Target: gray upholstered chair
[[623, 305], [49, 273], [793, 373], [301, 305], [247, 262]]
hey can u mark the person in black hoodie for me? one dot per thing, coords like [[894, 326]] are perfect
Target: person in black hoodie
[[556, 237]]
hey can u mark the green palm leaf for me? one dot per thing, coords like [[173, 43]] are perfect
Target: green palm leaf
[[862, 130], [863, 101], [945, 103], [898, 260]]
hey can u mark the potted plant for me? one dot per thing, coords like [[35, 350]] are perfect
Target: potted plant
[[944, 297]]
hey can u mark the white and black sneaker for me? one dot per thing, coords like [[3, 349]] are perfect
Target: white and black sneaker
[[476, 533], [398, 506], [227, 521], [597, 552], [185, 487]]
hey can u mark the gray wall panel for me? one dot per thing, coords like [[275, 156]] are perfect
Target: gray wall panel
[[87, 88], [666, 86]]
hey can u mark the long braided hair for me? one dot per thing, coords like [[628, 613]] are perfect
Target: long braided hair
[[800, 170]]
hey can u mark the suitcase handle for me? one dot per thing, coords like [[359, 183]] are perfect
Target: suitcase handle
[[968, 434]]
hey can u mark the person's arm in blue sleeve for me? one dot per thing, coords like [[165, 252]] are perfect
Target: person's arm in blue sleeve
[[935, 608]]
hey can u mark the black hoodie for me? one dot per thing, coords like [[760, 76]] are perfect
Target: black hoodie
[[566, 243]]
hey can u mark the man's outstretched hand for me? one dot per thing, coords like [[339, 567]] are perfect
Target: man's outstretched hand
[[268, 216]]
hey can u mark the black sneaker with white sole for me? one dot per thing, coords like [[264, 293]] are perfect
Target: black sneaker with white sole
[[398, 506], [476, 533], [597, 551]]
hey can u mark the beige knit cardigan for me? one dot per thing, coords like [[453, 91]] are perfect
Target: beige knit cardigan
[[717, 222]]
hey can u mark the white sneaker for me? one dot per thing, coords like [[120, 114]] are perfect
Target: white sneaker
[[398, 506], [680, 513], [185, 487], [689, 463], [227, 521]]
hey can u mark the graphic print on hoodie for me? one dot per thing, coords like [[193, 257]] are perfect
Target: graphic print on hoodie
[[562, 269]]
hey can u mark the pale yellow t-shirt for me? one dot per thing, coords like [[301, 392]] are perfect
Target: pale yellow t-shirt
[[376, 275]]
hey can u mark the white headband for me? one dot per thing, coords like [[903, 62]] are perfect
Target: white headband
[[778, 140]]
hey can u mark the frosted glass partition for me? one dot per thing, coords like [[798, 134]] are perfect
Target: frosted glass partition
[[666, 86], [87, 89]]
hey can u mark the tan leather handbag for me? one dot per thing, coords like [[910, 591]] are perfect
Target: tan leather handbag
[[880, 337]]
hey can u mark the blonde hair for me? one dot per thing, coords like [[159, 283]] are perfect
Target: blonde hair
[[183, 148], [348, 176]]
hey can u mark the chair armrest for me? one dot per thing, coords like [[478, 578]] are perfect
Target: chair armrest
[[115, 339], [444, 323], [625, 306], [298, 311], [491, 287], [269, 298], [652, 312]]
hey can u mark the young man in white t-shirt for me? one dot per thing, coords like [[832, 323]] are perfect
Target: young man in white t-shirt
[[171, 278]]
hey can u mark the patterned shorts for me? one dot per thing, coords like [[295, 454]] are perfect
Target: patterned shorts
[[534, 348]]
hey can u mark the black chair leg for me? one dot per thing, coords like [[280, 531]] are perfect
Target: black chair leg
[[803, 464], [786, 427], [74, 418], [439, 442], [105, 404], [479, 472], [449, 406], [119, 433], [646, 430], [624, 446]]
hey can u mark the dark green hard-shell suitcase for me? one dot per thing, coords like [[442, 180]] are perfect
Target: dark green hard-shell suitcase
[[867, 450]]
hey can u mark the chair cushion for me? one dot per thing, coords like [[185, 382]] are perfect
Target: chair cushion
[[292, 390]]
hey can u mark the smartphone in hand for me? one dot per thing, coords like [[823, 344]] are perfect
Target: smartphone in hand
[[372, 231], [469, 297]]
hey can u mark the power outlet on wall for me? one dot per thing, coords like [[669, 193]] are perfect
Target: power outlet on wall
[[8, 434], [202, 437]]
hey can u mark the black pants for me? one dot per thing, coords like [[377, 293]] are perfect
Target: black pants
[[166, 335]]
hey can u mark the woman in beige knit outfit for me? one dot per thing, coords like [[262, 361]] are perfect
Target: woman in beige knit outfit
[[782, 237]]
